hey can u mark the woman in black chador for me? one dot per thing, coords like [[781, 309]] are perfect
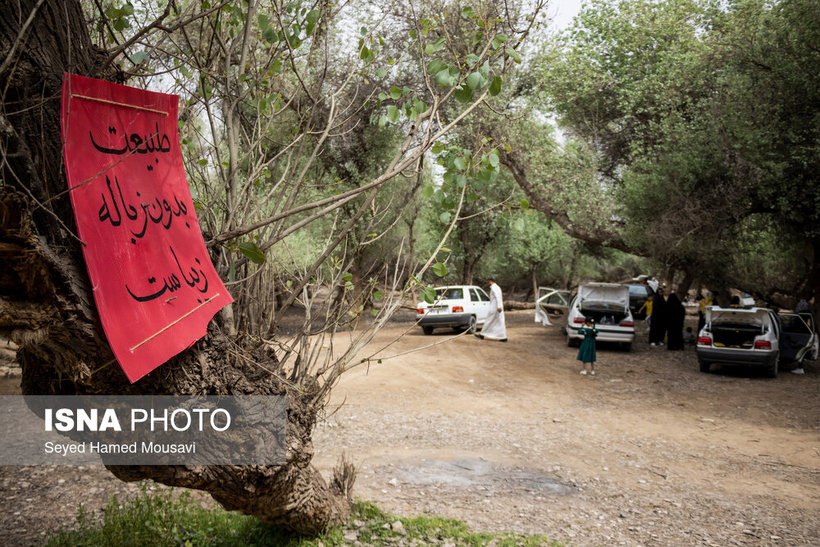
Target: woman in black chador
[[657, 321], [675, 314]]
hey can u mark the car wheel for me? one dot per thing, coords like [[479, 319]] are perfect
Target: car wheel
[[704, 366], [472, 325], [627, 346], [571, 342], [427, 330], [771, 372]]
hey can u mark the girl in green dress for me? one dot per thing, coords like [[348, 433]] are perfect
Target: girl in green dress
[[586, 353]]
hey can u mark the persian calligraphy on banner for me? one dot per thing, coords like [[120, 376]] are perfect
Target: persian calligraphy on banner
[[153, 281]]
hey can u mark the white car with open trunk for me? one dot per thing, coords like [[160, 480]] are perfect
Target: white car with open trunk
[[605, 303], [756, 337]]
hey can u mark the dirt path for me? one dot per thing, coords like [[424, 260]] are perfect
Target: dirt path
[[650, 451], [510, 437]]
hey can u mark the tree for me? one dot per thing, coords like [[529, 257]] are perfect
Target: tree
[[267, 89], [695, 116]]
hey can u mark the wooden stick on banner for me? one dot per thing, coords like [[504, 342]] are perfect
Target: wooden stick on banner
[[171, 324], [126, 105]]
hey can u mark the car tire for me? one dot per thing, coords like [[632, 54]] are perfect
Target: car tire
[[771, 371], [572, 342], [427, 330], [627, 346], [704, 366], [472, 326]]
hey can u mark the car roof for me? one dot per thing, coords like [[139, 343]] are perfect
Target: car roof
[[457, 287]]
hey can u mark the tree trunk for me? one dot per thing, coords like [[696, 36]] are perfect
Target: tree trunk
[[46, 304], [685, 284], [534, 284]]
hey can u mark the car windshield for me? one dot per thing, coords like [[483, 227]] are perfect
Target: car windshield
[[449, 294]]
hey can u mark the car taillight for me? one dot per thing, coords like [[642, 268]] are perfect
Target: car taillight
[[458, 309], [704, 341], [579, 320], [420, 311], [626, 324], [763, 344]]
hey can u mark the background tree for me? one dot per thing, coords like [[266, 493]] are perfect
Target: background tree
[[694, 117]]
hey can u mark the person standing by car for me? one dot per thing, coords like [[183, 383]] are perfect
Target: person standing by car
[[586, 353], [675, 317], [705, 302], [495, 327], [657, 327], [646, 309]]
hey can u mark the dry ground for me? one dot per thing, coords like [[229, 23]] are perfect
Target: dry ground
[[509, 437]]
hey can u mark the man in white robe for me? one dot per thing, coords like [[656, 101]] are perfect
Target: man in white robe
[[495, 327]]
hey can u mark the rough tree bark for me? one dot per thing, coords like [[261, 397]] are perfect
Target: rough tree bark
[[47, 308]]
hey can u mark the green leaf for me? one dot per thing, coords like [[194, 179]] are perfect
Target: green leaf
[[464, 94], [468, 12], [435, 47], [495, 86], [460, 163], [203, 161], [499, 40], [519, 224], [493, 158], [395, 92], [347, 277], [138, 57], [378, 296], [446, 77], [311, 19], [514, 55], [428, 191], [254, 253], [474, 80], [428, 294], [444, 217], [525, 204], [438, 147], [393, 113], [435, 66], [472, 59], [440, 269]]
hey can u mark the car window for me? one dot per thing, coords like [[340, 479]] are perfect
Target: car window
[[482, 295], [556, 300], [794, 323], [474, 296], [451, 293], [638, 290]]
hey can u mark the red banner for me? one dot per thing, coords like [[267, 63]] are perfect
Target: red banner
[[154, 284]]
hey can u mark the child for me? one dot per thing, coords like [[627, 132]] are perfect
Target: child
[[586, 354]]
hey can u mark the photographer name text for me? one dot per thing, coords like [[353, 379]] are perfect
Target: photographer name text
[[91, 447]]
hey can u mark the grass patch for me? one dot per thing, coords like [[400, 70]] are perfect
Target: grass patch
[[160, 519]]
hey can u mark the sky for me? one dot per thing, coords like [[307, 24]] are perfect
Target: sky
[[562, 12]]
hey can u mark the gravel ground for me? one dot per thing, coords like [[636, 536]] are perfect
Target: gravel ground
[[509, 437]]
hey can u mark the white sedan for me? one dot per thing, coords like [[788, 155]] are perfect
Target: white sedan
[[460, 307], [606, 303]]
